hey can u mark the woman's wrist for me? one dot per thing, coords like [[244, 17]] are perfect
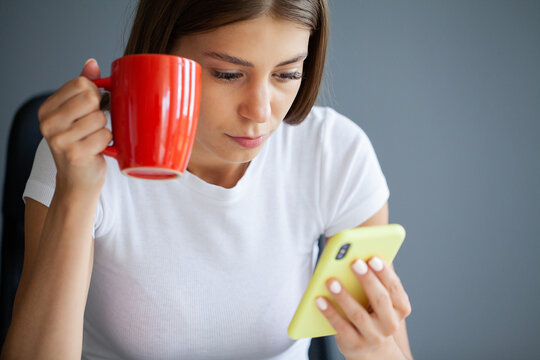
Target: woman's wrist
[[75, 205], [388, 350], [70, 193]]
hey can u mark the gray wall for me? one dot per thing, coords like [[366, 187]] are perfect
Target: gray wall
[[448, 91], [43, 44]]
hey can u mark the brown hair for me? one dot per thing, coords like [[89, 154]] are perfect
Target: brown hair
[[159, 23]]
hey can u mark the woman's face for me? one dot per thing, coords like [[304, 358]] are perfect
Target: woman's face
[[251, 73]]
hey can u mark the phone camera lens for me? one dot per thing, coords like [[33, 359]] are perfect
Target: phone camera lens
[[343, 251]]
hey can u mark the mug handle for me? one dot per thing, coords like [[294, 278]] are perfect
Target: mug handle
[[105, 83]]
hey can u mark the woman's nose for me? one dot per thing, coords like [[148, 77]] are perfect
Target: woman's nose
[[256, 103]]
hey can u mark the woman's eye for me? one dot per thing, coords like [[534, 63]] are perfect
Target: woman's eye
[[227, 75], [231, 76], [289, 76]]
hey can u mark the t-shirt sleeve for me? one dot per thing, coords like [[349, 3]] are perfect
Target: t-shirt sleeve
[[42, 181], [353, 186]]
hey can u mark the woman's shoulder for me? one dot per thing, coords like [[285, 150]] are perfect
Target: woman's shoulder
[[325, 124]]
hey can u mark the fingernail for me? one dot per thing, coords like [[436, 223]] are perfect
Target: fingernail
[[335, 287], [376, 264], [360, 267], [87, 61], [321, 303]]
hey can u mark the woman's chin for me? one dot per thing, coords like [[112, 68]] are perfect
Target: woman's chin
[[241, 158]]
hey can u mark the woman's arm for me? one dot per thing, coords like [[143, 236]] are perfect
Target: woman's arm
[[373, 341], [48, 312], [401, 338]]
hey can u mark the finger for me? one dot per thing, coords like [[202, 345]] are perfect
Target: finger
[[80, 129], [393, 285], [355, 312], [71, 88], [343, 327], [84, 152], [91, 69], [62, 117], [96, 142], [378, 297]]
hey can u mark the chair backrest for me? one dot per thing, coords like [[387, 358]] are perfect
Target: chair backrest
[[24, 138]]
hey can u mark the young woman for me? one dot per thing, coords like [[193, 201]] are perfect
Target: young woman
[[211, 265]]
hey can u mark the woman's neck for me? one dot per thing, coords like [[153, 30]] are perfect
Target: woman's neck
[[226, 176]]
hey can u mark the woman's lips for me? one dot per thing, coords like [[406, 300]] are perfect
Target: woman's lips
[[248, 142]]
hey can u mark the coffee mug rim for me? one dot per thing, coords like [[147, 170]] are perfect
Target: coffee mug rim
[[175, 173], [126, 57]]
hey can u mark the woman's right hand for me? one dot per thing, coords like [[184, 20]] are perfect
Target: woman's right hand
[[74, 127]]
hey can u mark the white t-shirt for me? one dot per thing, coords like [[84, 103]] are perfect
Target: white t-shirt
[[188, 270]]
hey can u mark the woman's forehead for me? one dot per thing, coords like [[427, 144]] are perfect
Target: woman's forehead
[[252, 40]]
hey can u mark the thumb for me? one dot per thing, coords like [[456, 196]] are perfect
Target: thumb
[[91, 69]]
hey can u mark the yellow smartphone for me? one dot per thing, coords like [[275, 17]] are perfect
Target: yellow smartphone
[[338, 255]]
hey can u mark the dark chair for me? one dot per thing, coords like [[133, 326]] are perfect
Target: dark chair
[[320, 347], [24, 138]]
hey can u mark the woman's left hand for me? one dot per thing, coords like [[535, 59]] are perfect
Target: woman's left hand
[[368, 333]]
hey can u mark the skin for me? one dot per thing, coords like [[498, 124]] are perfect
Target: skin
[[253, 100], [48, 312], [49, 307], [380, 332]]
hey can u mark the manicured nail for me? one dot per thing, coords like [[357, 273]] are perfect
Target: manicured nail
[[376, 264], [321, 303], [335, 287], [87, 61], [360, 267]]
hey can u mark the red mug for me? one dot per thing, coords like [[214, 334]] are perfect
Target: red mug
[[154, 113]]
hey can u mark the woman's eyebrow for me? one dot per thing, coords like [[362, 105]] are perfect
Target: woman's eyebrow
[[297, 58], [237, 61]]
